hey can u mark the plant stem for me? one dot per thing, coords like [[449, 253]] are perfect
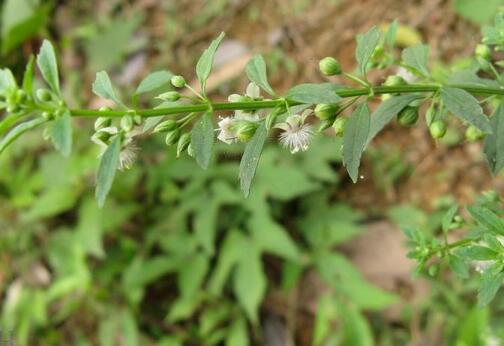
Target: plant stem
[[252, 105]]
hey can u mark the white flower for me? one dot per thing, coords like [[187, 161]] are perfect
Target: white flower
[[253, 92], [227, 128], [296, 134]]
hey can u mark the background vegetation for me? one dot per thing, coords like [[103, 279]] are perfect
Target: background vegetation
[[178, 256]]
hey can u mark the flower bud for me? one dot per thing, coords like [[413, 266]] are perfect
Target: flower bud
[[102, 122], [330, 66], [13, 108], [437, 129], [165, 126], [127, 123], [21, 96], [103, 136], [138, 119], [325, 125], [325, 111], [394, 80], [183, 143], [170, 96], [47, 116], [378, 52], [178, 81], [246, 130], [385, 97], [44, 95], [474, 134], [408, 116], [339, 126], [104, 109], [484, 52], [172, 137]]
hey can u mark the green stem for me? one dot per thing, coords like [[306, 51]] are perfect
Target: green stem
[[252, 105]]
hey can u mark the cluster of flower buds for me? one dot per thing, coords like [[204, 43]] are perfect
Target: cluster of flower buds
[[174, 135]]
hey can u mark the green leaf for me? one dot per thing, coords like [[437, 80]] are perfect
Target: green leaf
[[154, 81], [476, 10], [21, 20], [250, 158], [314, 93], [107, 170], [19, 130], [61, 133], [490, 284], [191, 275], [391, 33], [102, 87], [448, 218], [478, 253], [354, 140], [366, 44], [487, 219], [205, 62], [386, 111], [28, 75], [7, 79], [249, 281], [202, 138], [256, 72], [417, 57], [237, 333], [494, 142], [464, 106], [355, 328], [46, 61], [459, 266]]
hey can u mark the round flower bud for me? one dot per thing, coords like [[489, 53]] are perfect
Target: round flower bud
[[378, 52], [394, 80], [138, 119], [437, 129], [178, 81], [434, 269], [325, 125], [21, 96], [103, 136], [339, 126], [325, 111], [47, 115], [165, 126], [482, 51], [127, 123], [172, 137], [43, 95], [170, 96], [246, 130], [13, 108], [102, 122], [183, 143], [385, 97], [474, 134], [104, 109], [408, 116], [330, 66]]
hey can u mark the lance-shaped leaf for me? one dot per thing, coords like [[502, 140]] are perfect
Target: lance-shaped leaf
[[46, 61], [102, 87], [391, 33], [28, 75], [202, 138], [17, 131], [494, 142], [466, 107], [60, 131], [7, 79], [154, 81], [256, 72], [417, 57], [366, 44], [487, 218], [314, 93], [205, 62], [491, 281], [250, 158], [355, 139], [386, 111], [107, 170]]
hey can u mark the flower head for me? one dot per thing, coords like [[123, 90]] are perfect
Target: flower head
[[227, 128], [251, 93], [296, 134]]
